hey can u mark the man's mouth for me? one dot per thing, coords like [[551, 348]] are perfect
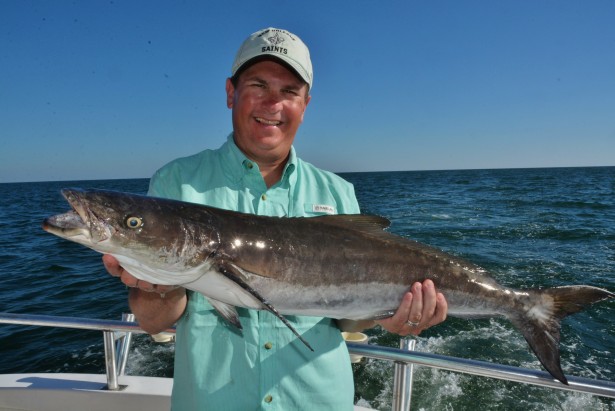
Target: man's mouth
[[267, 122]]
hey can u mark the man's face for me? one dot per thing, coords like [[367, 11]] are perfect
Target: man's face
[[268, 105]]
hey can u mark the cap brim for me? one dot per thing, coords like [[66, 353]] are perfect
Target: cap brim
[[286, 62]]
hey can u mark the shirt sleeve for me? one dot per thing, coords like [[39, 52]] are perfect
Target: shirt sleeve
[[164, 183], [349, 202]]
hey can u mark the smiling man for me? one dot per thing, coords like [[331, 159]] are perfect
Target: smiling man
[[257, 171], [268, 103]]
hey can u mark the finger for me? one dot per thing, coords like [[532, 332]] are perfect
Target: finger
[[400, 317], [441, 308], [163, 289], [112, 266], [146, 286], [429, 302], [134, 282], [129, 280], [397, 322], [416, 310]]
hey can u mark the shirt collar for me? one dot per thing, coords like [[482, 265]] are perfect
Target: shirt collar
[[236, 164]]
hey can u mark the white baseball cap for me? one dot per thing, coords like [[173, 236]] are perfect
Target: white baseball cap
[[280, 44]]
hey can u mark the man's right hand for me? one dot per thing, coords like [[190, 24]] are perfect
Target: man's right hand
[[156, 307], [116, 270]]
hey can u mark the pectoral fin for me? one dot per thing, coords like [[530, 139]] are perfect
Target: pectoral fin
[[234, 275], [383, 315], [227, 311]]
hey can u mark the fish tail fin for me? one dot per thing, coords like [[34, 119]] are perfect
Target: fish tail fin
[[540, 321]]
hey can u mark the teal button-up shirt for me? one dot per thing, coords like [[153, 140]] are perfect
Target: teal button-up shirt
[[265, 366]]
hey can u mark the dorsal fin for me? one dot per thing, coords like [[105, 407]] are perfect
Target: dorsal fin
[[361, 222], [373, 226]]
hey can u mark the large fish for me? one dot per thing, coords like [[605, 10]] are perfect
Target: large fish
[[343, 266]]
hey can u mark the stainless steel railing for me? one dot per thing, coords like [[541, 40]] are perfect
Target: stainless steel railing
[[113, 331], [485, 369], [401, 357]]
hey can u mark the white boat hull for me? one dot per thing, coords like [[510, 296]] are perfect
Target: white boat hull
[[67, 392]]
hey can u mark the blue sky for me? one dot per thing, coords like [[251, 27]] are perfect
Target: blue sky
[[115, 89]]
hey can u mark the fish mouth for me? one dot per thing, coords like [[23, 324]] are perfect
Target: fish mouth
[[78, 224]]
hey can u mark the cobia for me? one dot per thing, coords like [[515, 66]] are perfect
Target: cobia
[[344, 266]]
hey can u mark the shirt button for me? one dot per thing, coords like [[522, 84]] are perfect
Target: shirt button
[[268, 398], [268, 345], [264, 197], [249, 165]]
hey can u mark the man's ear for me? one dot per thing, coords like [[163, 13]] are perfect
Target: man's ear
[[230, 93], [307, 101]]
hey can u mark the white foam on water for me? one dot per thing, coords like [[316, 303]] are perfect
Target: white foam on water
[[492, 341], [577, 401], [150, 358]]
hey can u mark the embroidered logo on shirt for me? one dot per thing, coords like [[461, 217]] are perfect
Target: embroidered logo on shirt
[[323, 208]]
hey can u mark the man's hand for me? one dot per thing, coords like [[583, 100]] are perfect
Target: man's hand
[[421, 308], [156, 307], [116, 270]]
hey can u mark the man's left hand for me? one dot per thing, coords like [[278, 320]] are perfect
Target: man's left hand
[[421, 308]]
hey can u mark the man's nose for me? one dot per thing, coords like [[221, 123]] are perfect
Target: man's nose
[[272, 100]]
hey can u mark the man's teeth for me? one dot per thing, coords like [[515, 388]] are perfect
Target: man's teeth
[[268, 122]]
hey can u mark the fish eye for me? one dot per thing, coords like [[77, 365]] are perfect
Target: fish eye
[[134, 222]]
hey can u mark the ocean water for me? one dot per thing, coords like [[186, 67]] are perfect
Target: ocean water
[[528, 227]]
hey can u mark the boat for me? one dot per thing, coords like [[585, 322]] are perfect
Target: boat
[[117, 391]]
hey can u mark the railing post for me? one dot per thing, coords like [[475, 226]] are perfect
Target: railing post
[[402, 383], [124, 340], [111, 370]]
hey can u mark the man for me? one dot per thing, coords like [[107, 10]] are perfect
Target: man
[[257, 171]]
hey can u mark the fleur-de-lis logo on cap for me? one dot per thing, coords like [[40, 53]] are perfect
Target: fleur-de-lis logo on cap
[[276, 39]]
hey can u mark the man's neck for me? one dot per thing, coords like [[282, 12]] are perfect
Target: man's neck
[[272, 173], [271, 166]]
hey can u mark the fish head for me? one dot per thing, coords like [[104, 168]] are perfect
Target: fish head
[[154, 239]]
